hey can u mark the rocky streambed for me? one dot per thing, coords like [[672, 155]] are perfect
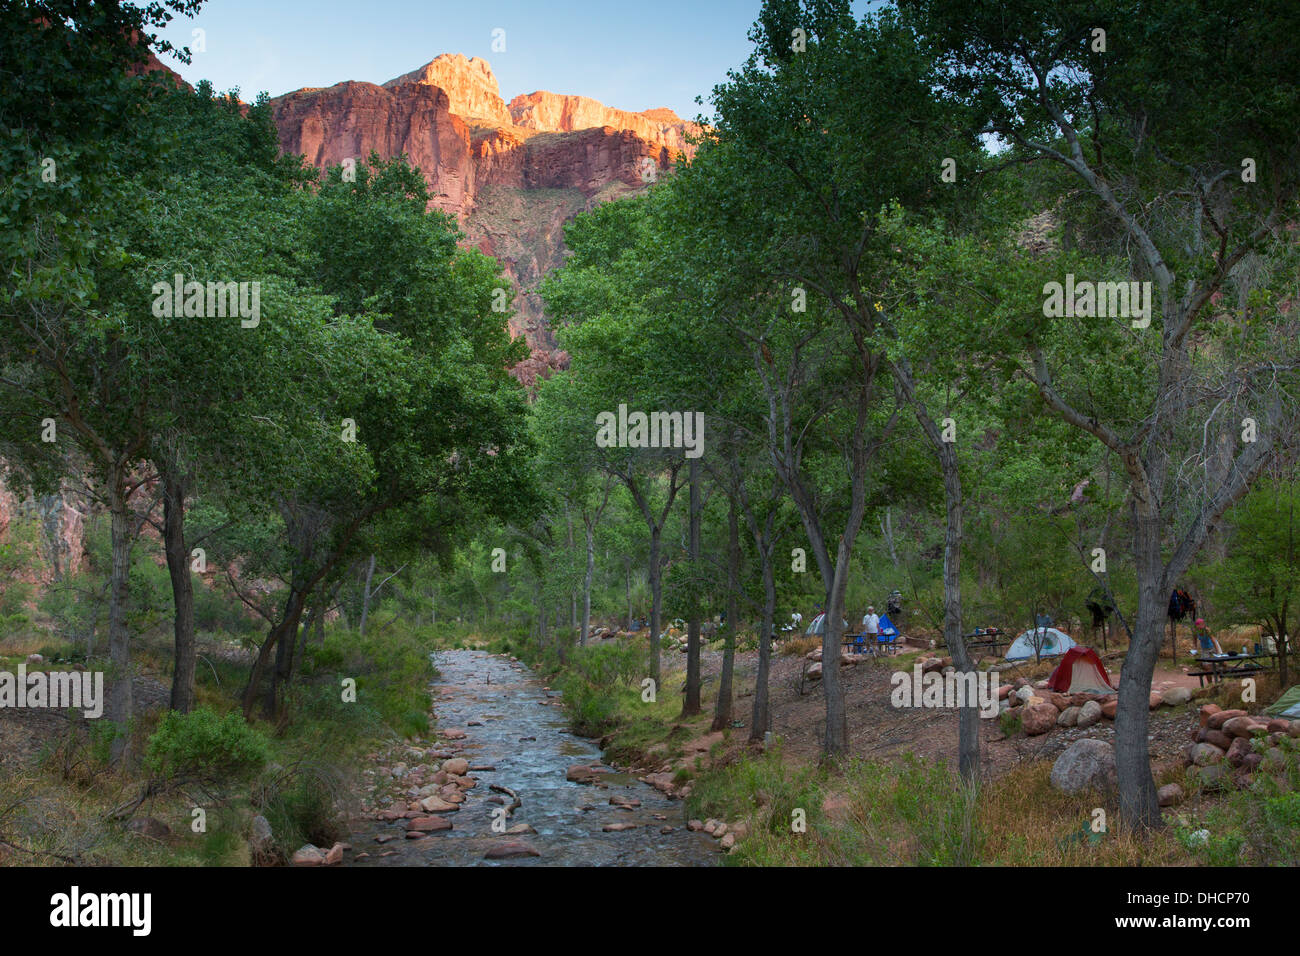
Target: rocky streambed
[[496, 789]]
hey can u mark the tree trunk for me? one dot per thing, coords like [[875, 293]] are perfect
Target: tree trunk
[[691, 704], [836, 742], [656, 594], [178, 569], [586, 585], [761, 721], [119, 640], [365, 597], [1137, 789], [722, 712], [627, 577]]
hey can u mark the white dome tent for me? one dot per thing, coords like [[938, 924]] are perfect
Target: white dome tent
[[1051, 642]]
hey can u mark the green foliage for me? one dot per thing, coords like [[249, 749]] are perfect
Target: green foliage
[[202, 746]]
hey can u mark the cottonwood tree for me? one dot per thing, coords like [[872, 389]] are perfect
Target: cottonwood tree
[[1187, 166]]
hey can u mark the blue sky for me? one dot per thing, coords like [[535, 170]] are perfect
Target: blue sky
[[631, 54]]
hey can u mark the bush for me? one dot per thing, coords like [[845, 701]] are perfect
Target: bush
[[204, 747]]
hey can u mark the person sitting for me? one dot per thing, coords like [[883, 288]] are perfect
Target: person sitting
[[1206, 641]]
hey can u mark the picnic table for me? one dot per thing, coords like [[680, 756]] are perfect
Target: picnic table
[[988, 640], [1243, 664]]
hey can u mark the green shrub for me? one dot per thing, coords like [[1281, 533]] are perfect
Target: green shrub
[[202, 746]]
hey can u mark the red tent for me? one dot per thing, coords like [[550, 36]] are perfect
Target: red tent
[[1080, 671]]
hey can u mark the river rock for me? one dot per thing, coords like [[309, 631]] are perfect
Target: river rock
[[454, 733], [519, 829], [1084, 765], [1068, 717], [623, 800], [728, 841], [438, 805], [308, 855], [455, 767], [619, 827], [580, 773], [510, 850], [335, 855], [1088, 714], [427, 824], [695, 826]]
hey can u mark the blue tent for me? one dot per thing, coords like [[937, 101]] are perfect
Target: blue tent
[[888, 632]]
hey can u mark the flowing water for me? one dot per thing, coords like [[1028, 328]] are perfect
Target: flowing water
[[526, 741]]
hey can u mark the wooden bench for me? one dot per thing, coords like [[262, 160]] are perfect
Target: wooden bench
[[1217, 675]]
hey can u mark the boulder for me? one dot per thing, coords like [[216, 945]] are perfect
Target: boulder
[[1218, 738], [335, 855], [1039, 718], [1279, 724], [1024, 693], [1109, 707], [1059, 701], [1207, 711], [1170, 795], [815, 671], [1176, 696], [1069, 716], [1236, 754], [1217, 720], [1204, 755], [1004, 691], [1089, 714], [1153, 701], [455, 767], [695, 826], [1211, 777], [1238, 726], [1085, 765], [619, 827]]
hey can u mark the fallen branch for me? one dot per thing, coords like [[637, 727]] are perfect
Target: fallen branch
[[511, 794]]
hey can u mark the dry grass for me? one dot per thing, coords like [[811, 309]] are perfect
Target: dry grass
[[799, 646], [1027, 822]]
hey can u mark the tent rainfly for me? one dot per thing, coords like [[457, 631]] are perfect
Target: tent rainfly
[[1080, 672]]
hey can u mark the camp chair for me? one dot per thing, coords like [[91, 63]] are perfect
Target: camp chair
[[888, 636]]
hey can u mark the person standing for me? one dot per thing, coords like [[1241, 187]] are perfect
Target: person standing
[[871, 625]]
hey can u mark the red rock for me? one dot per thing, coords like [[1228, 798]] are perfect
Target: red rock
[[1237, 751], [1154, 701], [1238, 726], [428, 824], [1039, 718], [510, 850], [1219, 738], [1207, 711], [1109, 708], [1217, 720], [1279, 724]]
